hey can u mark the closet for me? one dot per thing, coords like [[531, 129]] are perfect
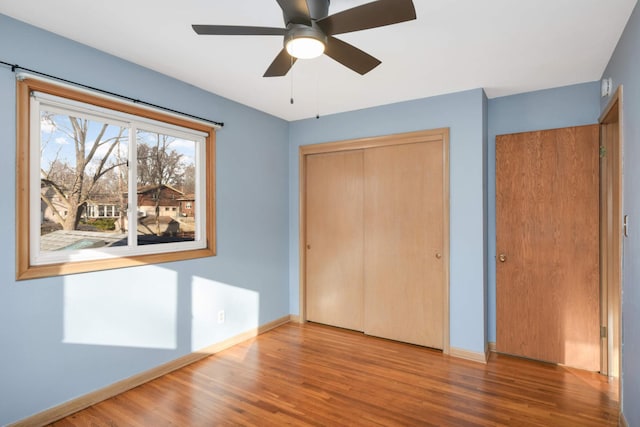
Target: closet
[[374, 236]]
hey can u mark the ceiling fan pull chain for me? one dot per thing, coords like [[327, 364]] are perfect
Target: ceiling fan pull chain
[[292, 83], [317, 95]]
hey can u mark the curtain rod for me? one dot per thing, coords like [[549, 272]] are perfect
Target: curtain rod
[[16, 67]]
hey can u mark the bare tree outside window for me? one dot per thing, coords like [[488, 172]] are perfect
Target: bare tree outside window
[[82, 162]]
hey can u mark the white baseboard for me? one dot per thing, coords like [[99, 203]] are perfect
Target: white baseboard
[[469, 355], [58, 412]]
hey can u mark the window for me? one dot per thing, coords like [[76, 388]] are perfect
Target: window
[[99, 179]]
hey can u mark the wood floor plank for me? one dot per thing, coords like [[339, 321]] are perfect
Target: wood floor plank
[[314, 375]]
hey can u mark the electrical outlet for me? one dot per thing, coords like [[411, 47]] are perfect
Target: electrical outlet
[[221, 316]]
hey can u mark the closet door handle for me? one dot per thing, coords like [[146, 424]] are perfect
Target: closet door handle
[[438, 255]]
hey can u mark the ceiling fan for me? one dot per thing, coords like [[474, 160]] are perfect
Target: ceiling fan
[[309, 31]]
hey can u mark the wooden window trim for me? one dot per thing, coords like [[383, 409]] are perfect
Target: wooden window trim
[[24, 269]]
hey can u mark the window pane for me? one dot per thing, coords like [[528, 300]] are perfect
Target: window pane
[[83, 183], [166, 183]]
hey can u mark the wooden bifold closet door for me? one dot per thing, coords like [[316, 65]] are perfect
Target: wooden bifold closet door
[[375, 240]]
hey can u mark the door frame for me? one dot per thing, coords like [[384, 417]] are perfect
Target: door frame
[[611, 235], [433, 135]]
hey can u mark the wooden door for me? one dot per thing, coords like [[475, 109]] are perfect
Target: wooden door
[[404, 230], [334, 255], [547, 231]]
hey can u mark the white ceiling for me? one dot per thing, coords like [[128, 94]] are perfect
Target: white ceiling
[[504, 46]]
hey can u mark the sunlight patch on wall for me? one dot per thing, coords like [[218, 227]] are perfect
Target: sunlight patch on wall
[[240, 307], [127, 308]]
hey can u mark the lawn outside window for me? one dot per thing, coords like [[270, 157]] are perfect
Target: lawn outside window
[[102, 183]]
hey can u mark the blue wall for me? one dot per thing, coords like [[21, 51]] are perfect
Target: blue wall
[[63, 337], [547, 109], [624, 69], [463, 114]]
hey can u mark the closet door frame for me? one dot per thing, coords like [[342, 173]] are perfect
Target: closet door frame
[[433, 135]]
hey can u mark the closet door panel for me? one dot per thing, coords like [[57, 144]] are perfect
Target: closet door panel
[[334, 245], [403, 243]]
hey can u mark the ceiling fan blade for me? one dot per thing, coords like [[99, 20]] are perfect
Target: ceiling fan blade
[[233, 30], [281, 65], [350, 56], [371, 15], [295, 11]]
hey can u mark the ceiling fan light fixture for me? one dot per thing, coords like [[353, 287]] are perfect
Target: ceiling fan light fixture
[[305, 47], [304, 42]]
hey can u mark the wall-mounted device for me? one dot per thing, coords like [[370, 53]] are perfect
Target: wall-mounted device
[[606, 86]]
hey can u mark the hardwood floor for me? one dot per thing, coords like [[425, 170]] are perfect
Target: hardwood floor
[[314, 375]]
